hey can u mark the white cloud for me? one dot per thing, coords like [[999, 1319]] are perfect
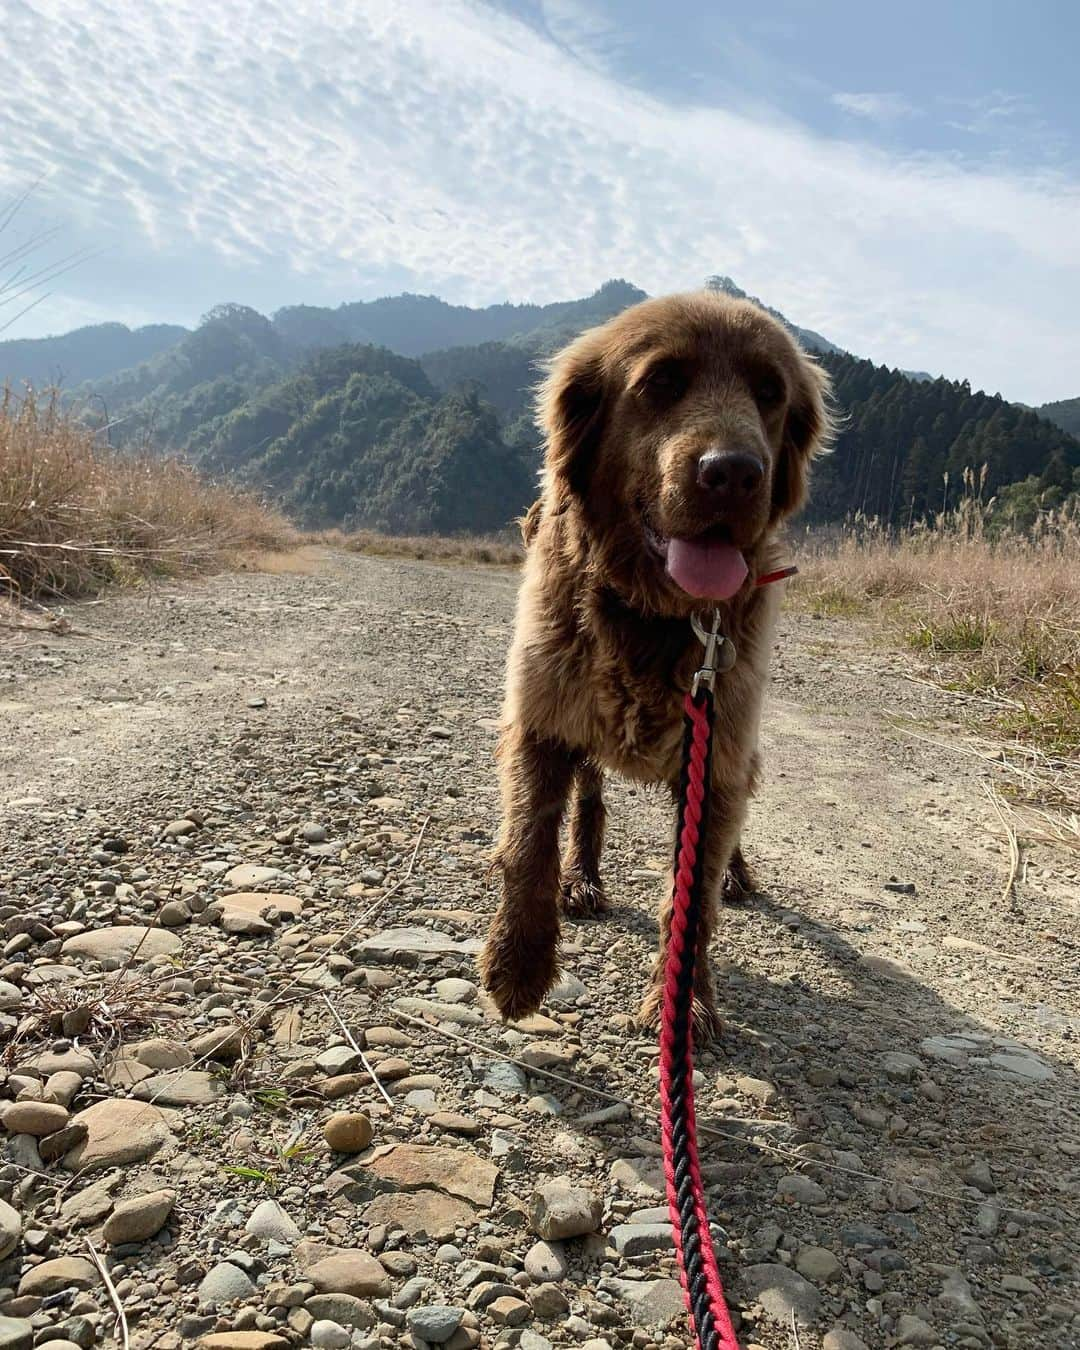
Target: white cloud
[[347, 150], [876, 107]]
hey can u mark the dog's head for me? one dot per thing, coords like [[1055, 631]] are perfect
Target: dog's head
[[682, 430]]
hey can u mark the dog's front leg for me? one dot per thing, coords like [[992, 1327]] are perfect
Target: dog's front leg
[[519, 963], [721, 838]]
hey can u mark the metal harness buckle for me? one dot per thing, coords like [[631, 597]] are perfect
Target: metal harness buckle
[[719, 653]]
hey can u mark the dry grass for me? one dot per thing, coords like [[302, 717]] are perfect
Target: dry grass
[[504, 550], [994, 616], [75, 516]]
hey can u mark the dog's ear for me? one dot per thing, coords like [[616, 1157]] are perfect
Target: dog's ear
[[571, 406], [808, 428]]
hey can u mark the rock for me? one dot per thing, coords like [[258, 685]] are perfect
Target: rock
[[455, 1123], [434, 1322], [978, 1174], [508, 1311], [225, 1283], [452, 1170], [11, 996], [956, 1297], [653, 1303], [422, 1214], [65, 1272], [118, 1132], [1018, 1284], [405, 946], [36, 1118], [636, 1239], [16, 1333], [192, 1087], [345, 1309], [223, 1045], [560, 1209], [456, 991], [48, 1062], [269, 1220], [62, 1088], [126, 943], [10, 1229], [842, 1339], [800, 1190], [546, 1261], [1021, 1066], [338, 1059], [174, 914], [349, 1271], [139, 1217], [91, 1203], [912, 1330], [239, 924], [818, 1265], [256, 903], [781, 1292], [758, 1089], [242, 1340], [348, 1132], [249, 875], [327, 1335], [161, 1053]]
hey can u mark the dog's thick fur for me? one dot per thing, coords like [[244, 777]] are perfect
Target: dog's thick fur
[[603, 650]]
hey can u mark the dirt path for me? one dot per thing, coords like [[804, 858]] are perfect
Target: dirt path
[[897, 1095]]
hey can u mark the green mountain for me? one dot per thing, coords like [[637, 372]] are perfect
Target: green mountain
[[85, 354], [413, 415], [1065, 413]]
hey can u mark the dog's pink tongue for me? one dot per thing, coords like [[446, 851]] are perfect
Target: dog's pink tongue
[[706, 568]]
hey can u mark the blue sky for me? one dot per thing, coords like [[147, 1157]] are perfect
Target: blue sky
[[904, 179]]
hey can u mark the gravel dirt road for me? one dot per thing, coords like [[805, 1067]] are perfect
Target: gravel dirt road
[[893, 1112]]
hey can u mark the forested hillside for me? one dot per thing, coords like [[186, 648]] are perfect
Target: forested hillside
[[410, 414], [1066, 413]]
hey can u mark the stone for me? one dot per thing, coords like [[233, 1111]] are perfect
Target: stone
[[118, 1132], [339, 1059], [327, 1335], [268, 1220], [223, 1045], [637, 1239], [11, 996], [508, 1311], [456, 991], [1018, 1284], [48, 1062], [123, 943], [653, 1303], [238, 924], [174, 914], [349, 1271], [839, 1338], [65, 1272], [434, 1322], [248, 875], [422, 1214], [781, 1292], [161, 1053], [978, 1174], [225, 1283], [405, 946], [421, 1166], [192, 1087], [797, 1189], [1021, 1066], [560, 1209], [818, 1265], [139, 1217], [546, 1261], [242, 1340], [16, 1333], [348, 1132], [911, 1330], [758, 1089], [256, 903], [10, 1229], [345, 1309], [92, 1203], [37, 1118]]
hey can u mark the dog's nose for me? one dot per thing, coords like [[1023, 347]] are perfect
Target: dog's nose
[[734, 474]]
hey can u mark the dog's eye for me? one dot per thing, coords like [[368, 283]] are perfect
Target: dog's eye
[[768, 391], [666, 382]]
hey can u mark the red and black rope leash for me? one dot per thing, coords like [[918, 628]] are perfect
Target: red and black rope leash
[[710, 1320]]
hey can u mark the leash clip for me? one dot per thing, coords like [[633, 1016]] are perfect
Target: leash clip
[[719, 654]]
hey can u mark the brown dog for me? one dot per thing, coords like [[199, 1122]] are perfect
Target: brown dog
[[679, 435]]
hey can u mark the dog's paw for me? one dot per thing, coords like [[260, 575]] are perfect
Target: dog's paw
[[582, 899], [707, 1021], [517, 974], [739, 884]]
